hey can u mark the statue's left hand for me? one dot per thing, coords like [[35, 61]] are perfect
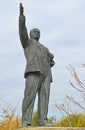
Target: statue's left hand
[[52, 63]]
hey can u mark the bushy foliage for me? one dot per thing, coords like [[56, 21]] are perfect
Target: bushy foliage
[[35, 119], [10, 124], [75, 120], [8, 117], [51, 120]]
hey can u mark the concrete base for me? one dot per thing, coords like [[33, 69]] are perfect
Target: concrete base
[[51, 128]]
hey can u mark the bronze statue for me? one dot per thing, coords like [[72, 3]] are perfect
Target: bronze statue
[[37, 73]]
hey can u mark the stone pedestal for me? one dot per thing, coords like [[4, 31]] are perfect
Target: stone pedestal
[[51, 128]]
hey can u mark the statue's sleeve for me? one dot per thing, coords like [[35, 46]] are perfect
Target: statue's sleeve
[[50, 54], [23, 32]]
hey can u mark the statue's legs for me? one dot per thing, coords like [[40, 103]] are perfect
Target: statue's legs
[[32, 85], [43, 100]]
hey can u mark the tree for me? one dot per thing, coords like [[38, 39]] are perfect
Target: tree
[[66, 107]]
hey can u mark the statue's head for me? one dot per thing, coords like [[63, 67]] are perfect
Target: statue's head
[[35, 34]]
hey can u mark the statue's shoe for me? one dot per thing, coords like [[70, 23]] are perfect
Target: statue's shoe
[[25, 125], [47, 125]]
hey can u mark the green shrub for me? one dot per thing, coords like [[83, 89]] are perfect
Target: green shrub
[[75, 120], [51, 120]]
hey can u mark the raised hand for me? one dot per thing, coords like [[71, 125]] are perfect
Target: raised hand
[[21, 9]]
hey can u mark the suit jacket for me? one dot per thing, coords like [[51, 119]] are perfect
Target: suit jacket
[[38, 56]]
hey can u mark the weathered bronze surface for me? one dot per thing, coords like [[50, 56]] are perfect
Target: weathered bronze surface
[[37, 73]]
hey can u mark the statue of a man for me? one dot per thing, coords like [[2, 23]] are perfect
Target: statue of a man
[[37, 73]]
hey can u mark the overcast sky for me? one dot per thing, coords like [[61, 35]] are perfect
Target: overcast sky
[[62, 26]]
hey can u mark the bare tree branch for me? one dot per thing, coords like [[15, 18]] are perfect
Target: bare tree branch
[[75, 102], [76, 87], [80, 86]]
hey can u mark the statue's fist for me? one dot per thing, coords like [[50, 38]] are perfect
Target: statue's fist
[[21, 9]]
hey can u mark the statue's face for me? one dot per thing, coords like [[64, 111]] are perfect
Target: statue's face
[[35, 34]]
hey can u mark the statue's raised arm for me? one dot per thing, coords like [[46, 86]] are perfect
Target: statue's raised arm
[[22, 28]]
